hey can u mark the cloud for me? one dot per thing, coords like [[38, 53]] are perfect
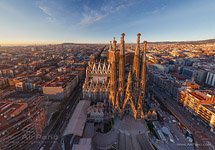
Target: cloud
[[159, 9], [47, 10], [91, 18], [81, 12], [93, 15]]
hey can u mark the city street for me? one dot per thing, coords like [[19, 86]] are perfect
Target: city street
[[202, 135], [56, 129]]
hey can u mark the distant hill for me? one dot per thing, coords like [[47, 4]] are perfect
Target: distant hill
[[81, 43], [162, 42], [186, 42]]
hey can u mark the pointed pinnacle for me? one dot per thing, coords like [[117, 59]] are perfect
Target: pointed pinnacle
[[114, 39], [145, 45]]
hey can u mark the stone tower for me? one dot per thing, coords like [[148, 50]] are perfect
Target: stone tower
[[136, 62], [143, 83], [122, 70], [143, 73], [113, 76]]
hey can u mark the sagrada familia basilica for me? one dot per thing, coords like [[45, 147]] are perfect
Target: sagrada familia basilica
[[109, 81]]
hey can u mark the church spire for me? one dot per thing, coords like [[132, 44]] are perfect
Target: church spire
[[143, 82], [136, 62], [122, 44], [143, 74], [137, 50], [110, 47], [113, 76], [114, 44], [122, 68]]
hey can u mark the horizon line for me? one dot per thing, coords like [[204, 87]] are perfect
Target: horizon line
[[40, 43]]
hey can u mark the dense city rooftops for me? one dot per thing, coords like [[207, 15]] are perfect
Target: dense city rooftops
[[9, 110], [61, 81]]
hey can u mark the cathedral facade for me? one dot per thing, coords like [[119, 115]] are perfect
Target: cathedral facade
[[109, 82]]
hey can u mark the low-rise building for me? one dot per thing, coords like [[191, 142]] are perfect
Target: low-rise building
[[162, 68], [201, 76], [28, 84], [193, 98], [3, 83], [188, 72], [201, 103], [61, 87], [207, 113], [169, 85], [210, 79], [20, 124], [7, 73]]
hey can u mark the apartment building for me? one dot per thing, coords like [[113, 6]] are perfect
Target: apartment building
[[201, 103], [207, 113], [210, 79], [3, 83], [61, 87], [20, 124]]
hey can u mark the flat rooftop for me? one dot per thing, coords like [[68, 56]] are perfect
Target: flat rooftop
[[194, 94], [9, 110], [61, 81], [77, 121], [210, 107]]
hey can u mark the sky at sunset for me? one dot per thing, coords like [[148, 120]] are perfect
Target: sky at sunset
[[98, 21]]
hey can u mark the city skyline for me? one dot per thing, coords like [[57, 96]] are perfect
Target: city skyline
[[51, 22], [108, 96]]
